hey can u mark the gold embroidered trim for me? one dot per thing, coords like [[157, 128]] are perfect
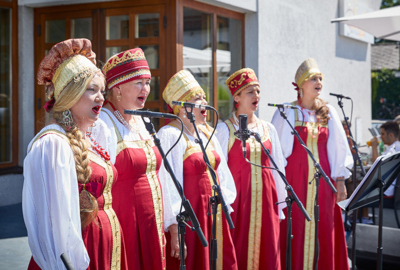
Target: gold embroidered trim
[[147, 146], [309, 231], [253, 252], [128, 76], [127, 56], [219, 212], [298, 123], [232, 136], [256, 207], [195, 149], [122, 145], [112, 217], [232, 131], [155, 191]]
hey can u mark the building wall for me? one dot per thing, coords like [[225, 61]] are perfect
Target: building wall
[[290, 32]]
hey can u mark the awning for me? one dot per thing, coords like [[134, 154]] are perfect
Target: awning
[[383, 24]]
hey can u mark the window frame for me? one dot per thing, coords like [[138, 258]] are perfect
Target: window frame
[[13, 163], [214, 11]]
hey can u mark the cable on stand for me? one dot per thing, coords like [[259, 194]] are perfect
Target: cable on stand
[[217, 198], [289, 202], [318, 174], [188, 213], [356, 157]]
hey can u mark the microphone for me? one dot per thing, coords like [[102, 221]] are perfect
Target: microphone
[[193, 105], [282, 106], [66, 261], [243, 133], [150, 114], [339, 96]]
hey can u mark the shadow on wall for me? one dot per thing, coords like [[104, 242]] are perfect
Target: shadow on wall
[[349, 48]]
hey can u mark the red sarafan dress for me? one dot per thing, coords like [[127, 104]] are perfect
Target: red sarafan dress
[[138, 198], [300, 175], [256, 215], [103, 237], [197, 186]]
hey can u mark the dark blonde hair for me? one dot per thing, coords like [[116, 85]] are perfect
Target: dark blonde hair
[[321, 111], [68, 97]]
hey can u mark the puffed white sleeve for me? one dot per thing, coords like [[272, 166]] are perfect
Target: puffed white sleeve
[[111, 137], [339, 154], [171, 198], [284, 131], [222, 133], [226, 181], [281, 162], [50, 203]]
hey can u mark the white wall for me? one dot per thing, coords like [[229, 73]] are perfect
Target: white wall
[[291, 31]]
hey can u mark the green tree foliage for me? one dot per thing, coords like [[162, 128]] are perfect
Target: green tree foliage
[[384, 84], [389, 3]]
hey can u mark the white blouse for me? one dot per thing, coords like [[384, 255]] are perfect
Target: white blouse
[[105, 134], [50, 203], [223, 134], [172, 201], [339, 154]]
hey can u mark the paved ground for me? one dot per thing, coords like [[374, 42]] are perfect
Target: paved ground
[[14, 249]]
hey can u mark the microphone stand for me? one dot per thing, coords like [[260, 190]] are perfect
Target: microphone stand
[[356, 157], [188, 213], [216, 199], [289, 201], [317, 176]]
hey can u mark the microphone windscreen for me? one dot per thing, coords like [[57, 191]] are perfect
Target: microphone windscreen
[[242, 122]]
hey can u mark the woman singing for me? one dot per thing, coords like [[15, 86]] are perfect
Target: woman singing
[[187, 162], [323, 134], [68, 176], [137, 194], [258, 189]]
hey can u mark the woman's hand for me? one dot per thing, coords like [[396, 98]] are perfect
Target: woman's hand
[[341, 190], [173, 229]]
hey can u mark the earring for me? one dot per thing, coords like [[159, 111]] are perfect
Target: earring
[[237, 105], [119, 96], [301, 92], [184, 116], [67, 120]]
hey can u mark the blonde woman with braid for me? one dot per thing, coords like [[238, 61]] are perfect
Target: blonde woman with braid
[[68, 176]]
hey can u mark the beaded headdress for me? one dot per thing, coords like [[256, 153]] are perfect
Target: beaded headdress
[[181, 87], [72, 59], [306, 70], [125, 67], [240, 80]]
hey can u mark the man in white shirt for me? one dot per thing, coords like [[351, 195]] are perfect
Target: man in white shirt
[[390, 136]]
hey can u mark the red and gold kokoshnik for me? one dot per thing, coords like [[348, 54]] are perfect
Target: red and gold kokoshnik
[[125, 67], [240, 80]]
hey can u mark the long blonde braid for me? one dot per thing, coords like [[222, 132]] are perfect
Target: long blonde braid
[[79, 146]]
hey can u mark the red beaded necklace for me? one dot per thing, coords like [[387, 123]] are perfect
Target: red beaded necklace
[[100, 150]]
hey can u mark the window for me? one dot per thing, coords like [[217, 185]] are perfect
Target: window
[[212, 51], [8, 85], [118, 29]]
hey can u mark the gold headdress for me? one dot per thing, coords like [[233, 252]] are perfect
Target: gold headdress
[[72, 59], [181, 87], [306, 70]]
